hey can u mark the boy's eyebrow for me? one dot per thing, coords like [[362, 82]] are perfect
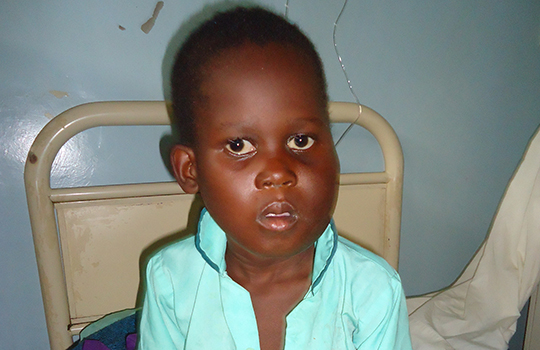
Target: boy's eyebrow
[[293, 122], [315, 120]]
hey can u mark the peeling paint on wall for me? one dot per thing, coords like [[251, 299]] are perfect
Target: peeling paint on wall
[[148, 25], [58, 94]]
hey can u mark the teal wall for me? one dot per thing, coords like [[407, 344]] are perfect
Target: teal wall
[[458, 80]]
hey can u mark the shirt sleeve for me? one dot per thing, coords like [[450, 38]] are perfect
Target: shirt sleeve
[[392, 332], [157, 327]]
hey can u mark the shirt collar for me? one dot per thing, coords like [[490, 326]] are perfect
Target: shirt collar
[[211, 242]]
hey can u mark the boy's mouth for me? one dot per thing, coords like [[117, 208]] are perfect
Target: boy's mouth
[[278, 216]]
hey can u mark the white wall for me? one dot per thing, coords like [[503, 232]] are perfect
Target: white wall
[[459, 81]]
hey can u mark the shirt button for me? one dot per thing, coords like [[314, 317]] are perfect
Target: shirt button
[[250, 349]]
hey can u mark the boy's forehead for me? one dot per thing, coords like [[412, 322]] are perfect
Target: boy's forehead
[[252, 56], [247, 86], [254, 71]]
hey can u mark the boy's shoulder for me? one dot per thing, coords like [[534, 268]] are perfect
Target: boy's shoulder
[[360, 261], [367, 280], [178, 253]]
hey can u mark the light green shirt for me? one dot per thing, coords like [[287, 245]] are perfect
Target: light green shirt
[[355, 300]]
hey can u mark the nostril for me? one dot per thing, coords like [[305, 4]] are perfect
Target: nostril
[[270, 183]]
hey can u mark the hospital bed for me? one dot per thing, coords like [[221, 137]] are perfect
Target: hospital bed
[[91, 243]]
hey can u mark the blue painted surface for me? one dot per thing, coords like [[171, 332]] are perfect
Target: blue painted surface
[[459, 81]]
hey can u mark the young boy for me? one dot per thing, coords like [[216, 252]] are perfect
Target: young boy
[[266, 269]]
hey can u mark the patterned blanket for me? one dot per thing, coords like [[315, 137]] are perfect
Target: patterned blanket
[[113, 332]]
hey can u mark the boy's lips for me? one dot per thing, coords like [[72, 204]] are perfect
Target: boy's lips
[[278, 216]]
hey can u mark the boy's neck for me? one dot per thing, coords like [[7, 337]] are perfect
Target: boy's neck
[[252, 270]]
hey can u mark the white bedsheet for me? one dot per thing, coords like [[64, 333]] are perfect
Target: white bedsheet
[[480, 309]]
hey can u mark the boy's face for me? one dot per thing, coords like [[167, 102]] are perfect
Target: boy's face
[[264, 160]]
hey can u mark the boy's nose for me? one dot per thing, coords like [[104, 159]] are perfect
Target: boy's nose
[[276, 173]]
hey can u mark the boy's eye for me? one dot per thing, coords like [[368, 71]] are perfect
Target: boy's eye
[[300, 142], [240, 146]]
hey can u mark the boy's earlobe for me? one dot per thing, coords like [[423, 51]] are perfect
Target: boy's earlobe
[[184, 168]]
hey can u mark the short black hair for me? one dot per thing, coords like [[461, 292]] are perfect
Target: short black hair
[[224, 31]]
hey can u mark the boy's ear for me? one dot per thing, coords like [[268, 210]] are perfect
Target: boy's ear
[[184, 168]]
